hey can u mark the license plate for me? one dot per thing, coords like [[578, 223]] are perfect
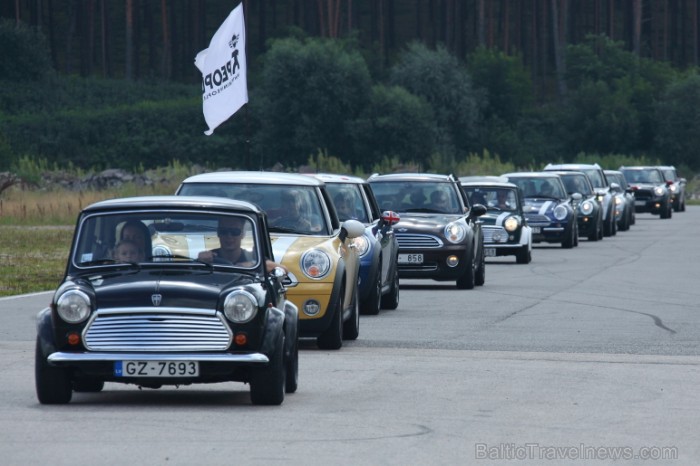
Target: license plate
[[410, 258], [156, 368], [640, 203], [490, 252], [537, 230]]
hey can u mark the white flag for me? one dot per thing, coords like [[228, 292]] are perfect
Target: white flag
[[223, 68]]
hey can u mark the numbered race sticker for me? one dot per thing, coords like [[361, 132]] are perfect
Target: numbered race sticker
[[156, 368]]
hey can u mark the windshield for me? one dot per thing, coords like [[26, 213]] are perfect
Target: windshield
[[652, 176], [290, 209], [348, 201], [576, 184], [160, 236], [492, 197], [540, 187], [596, 177], [412, 196]]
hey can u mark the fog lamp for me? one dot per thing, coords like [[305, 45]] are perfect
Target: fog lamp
[[73, 338], [241, 339], [312, 307], [452, 261]]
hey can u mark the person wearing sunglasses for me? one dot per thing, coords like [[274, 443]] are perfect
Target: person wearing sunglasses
[[231, 231]]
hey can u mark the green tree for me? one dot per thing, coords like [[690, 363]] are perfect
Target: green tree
[[25, 53], [444, 82], [677, 121], [309, 93]]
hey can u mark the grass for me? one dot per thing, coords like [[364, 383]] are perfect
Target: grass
[[32, 258]]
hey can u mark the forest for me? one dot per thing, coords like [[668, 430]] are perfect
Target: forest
[[371, 82]]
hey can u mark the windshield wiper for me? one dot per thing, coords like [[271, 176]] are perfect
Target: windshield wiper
[[160, 257]]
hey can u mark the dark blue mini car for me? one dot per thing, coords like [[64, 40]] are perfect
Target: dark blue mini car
[[378, 248]]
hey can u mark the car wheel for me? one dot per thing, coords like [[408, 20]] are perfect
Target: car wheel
[[468, 279], [608, 227], [88, 385], [332, 337], [480, 277], [523, 256], [292, 367], [575, 234], [53, 384], [351, 327], [391, 299], [595, 235], [267, 385], [667, 211], [371, 303], [568, 242]]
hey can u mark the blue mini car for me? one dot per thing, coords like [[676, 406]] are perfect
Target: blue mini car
[[378, 247]]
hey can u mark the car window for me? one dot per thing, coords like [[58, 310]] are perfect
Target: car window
[[643, 176], [492, 197], [412, 196], [576, 184], [596, 177], [348, 201], [158, 236], [290, 209], [546, 187]]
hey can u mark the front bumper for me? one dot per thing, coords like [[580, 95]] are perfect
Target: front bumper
[[434, 263]]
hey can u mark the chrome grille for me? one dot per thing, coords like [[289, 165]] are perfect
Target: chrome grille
[[413, 241], [489, 232], [164, 330]]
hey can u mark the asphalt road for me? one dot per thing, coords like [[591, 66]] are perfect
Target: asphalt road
[[582, 356]]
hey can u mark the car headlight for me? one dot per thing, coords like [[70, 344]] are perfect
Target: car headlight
[[619, 200], [455, 232], [511, 224], [586, 207], [673, 188], [240, 307], [315, 263], [361, 245], [659, 191], [560, 212], [73, 306]]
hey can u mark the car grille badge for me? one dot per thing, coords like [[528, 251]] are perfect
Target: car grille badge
[[156, 299]]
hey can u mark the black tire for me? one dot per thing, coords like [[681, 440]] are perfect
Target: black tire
[[53, 384], [667, 212], [292, 367], [480, 277], [391, 299], [332, 337], [569, 242], [468, 278], [267, 385], [523, 255], [371, 303], [596, 234], [88, 385], [351, 327], [608, 226]]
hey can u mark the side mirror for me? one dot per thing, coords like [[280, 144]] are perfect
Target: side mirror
[[351, 229], [390, 217], [477, 210], [615, 187], [576, 196]]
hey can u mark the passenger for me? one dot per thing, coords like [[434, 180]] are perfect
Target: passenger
[[292, 217], [128, 251], [136, 231], [344, 206]]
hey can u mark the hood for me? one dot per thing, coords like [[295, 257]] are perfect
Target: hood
[[200, 289], [539, 206], [411, 221], [493, 217]]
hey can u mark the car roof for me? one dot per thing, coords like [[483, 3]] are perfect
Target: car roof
[[640, 167], [482, 179], [567, 172], [173, 202], [337, 178], [616, 172], [411, 177], [260, 177], [571, 166], [547, 174], [488, 183]]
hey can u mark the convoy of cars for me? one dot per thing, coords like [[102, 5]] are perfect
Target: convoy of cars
[[220, 281]]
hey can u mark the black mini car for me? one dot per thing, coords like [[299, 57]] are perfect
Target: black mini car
[[438, 235], [651, 191], [676, 185], [167, 290], [589, 212]]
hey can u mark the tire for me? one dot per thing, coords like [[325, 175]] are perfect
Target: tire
[[267, 385], [332, 337], [569, 241], [391, 299], [480, 277], [291, 364], [53, 384], [608, 226], [596, 234], [667, 212], [371, 303], [351, 327], [523, 255], [468, 278], [88, 386]]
